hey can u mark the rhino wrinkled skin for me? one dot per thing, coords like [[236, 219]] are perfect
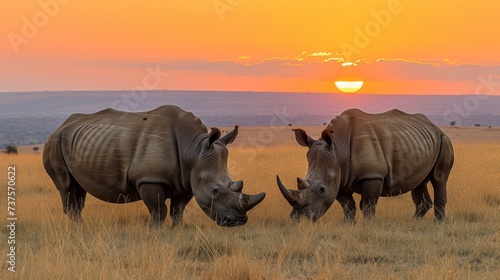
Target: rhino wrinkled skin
[[122, 157], [374, 155]]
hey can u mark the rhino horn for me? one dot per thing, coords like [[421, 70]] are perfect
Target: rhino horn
[[292, 196], [248, 202], [301, 184], [236, 186]]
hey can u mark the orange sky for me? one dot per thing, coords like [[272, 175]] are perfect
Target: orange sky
[[403, 46]]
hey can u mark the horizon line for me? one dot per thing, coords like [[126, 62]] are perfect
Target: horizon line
[[247, 91]]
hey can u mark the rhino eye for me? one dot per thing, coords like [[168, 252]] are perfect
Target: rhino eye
[[321, 190], [216, 192]]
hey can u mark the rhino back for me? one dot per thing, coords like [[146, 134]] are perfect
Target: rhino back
[[110, 152], [394, 146]]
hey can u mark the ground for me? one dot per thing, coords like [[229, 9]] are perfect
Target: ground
[[114, 241]]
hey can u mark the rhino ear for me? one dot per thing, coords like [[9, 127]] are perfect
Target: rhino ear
[[213, 136], [302, 138], [327, 136], [230, 136]]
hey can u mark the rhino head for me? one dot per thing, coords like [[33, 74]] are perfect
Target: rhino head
[[317, 192], [218, 195]]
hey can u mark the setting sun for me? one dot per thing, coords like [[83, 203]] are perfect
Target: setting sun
[[349, 78], [349, 86]]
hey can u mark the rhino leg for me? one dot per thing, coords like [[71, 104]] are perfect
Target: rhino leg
[[177, 205], [348, 205], [72, 194], [73, 200], [439, 177], [439, 200], [154, 197], [422, 200], [370, 192]]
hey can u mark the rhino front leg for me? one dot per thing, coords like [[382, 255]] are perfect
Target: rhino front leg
[[348, 205], [177, 205], [370, 192], [154, 197]]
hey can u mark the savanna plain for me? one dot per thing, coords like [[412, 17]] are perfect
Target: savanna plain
[[115, 241]]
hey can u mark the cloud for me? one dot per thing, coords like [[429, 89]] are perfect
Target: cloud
[[337, 59], [325, 67], [321, 54], [382, 70], [386, 70]]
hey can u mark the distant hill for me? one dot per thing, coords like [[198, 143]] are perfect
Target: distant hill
[[27, 118]]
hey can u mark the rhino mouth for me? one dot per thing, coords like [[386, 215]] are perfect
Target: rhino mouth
[[304, 213], [231, 221]]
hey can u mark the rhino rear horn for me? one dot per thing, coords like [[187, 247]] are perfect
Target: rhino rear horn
[[248, 202], [301, 184], [292, 196], [236, 186]]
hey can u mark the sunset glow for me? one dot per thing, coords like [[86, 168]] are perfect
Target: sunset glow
[[349, 87], [259, 45]]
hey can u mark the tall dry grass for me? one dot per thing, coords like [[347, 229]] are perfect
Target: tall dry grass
[[114, 241]]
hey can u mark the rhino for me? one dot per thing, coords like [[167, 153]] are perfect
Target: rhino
[[386, 154], [121, 157]]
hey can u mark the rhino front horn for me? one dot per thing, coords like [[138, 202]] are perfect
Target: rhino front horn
[[248, 202], [292, 196]]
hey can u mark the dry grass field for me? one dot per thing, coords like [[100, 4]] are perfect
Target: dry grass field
[[114, 241]]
